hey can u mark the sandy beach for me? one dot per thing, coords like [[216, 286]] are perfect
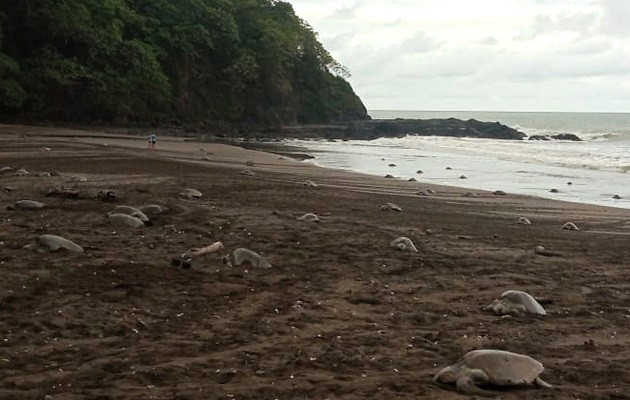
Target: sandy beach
[[340, 315]]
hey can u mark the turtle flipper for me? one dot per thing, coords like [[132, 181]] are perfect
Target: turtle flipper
[[542, 384], [467, 383]]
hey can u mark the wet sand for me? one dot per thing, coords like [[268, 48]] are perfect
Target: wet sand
[[341, 315]]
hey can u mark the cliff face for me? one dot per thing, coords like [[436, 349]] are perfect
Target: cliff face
[[211, 62], [368, 130]]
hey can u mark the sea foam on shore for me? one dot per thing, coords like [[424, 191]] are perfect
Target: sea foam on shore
[[596, 166]]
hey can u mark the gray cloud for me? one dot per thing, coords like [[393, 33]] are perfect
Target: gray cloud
[[554, 55]]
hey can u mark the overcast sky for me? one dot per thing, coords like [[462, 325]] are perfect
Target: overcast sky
[[494, 55]]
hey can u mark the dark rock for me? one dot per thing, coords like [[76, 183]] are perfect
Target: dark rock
[[561, 136], [372, 129], [539, 137], [567, 136]]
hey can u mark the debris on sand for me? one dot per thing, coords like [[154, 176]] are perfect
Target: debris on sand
[[310, 184], [523, 221], [211, 248]]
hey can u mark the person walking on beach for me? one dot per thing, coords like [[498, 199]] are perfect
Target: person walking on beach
[[152, 140]]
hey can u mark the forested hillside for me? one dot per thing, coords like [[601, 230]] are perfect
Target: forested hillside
[[169, 61]]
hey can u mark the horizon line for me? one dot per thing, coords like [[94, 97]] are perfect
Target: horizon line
[[504, 112]]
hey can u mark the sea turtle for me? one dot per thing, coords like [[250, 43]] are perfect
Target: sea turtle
[[124, 219], [191, 193], [524, 221], [499, 193], [27, 205], [492, 367], [516, 302], [310, 184], [134, 212], [247, 172], [390, 207], [53, 243], [77, 178], [152, 209], [250, 163], [570, 226], [403, 243], [241, 255], [309, 217]]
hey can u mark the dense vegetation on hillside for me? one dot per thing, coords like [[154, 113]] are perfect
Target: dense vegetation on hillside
[[214, 61]]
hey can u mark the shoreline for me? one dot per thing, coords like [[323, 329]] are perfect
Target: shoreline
[[274, 152]]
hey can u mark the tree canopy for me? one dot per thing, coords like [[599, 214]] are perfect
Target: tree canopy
[[172, 61]]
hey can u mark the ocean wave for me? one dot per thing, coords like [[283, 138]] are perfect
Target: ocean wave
[[590, 155]]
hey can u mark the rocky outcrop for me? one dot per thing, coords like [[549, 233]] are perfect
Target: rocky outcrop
[[372, 129], [561, 136]]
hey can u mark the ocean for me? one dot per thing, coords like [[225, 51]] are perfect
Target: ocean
[[591, 171]]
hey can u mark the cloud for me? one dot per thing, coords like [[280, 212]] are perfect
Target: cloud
[[509, 55]]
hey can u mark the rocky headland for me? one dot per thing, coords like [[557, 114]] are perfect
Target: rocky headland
[[373, 129]]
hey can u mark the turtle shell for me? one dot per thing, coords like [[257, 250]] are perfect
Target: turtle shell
[[29, 205], [526, 300], [54, 243], [504, 368], [134, 212]]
